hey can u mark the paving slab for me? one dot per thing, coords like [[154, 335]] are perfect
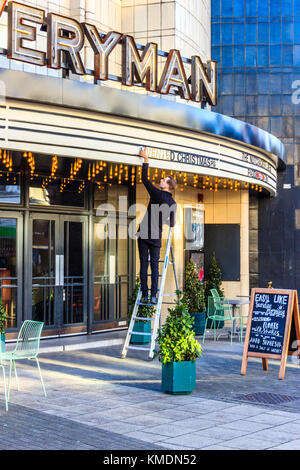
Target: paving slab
[[96, 400]]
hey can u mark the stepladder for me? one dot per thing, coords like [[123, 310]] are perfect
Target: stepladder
[[156, 318]]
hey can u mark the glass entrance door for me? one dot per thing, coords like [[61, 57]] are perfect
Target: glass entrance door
[[11, 233], [58, 269]]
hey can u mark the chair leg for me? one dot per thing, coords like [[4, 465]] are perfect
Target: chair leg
[[241, 328], [4, 386], [16, 375], [44, 390], [203, 339], [9, 379], [215, 329]]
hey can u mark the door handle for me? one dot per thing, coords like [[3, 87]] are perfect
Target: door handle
[[59, 270]]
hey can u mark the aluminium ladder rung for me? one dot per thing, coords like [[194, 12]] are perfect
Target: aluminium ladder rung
[[169, 295], [137, 347], [146, 305], [144, 319], [140, 333]]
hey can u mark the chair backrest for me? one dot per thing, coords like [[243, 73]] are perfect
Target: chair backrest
[[210, 306], [28, 341], [215, 294]]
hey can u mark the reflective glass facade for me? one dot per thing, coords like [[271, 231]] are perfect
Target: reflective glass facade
[[257, 45]]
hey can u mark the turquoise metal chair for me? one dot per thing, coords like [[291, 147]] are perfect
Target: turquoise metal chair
[[218, 310], [27, 347]]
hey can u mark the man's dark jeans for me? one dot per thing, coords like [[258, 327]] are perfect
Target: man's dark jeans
[[144, 250]]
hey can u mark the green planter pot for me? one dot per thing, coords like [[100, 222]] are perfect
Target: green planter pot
[[178, 377], [2, 342], [199, 323], [141, 327]]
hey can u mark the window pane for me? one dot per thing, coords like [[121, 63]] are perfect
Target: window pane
[[275, 7], [227, 10], [287, 32], [227, 56], [251, 56], [263, 83], [238, 8], [251, 9], [239, 56], [275, 33], [10, 190], [275, 55], [263, 33], [287, 55], [287, 7], [215, 8], [59, 192], [227, 33], [251, 33], [263, 56], [215, 33], [263, 8], [227, 83], [239, 33]]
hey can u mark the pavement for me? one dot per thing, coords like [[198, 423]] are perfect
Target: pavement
[[98, 401]]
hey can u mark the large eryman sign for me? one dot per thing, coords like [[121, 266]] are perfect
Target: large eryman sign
[[65, 39]]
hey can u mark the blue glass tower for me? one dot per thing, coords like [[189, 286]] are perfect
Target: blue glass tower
[[257, 45]]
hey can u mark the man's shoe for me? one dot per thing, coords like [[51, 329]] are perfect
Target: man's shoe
[[153, 300], [144, 299]]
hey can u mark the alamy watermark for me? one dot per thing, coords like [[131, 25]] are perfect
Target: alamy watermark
[[134, 220], [296, 93], [2, 94]]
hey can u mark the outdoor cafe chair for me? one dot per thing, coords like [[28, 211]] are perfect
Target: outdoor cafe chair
[[27, 347], [218, 310], [235, 308]]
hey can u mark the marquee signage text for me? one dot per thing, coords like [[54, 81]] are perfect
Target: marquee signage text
[[65, 41], [183, 157]]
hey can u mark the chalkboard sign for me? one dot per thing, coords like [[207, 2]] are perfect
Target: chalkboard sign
[[273, 315]]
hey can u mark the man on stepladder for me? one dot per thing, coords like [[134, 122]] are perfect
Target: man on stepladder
[[161, 210]]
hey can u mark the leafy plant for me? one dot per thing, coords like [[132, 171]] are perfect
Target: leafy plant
[[176, 339], [3, 318], [145, 311], [194, 294], [214, 279]]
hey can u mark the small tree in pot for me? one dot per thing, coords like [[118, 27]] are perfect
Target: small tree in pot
[[214, 281], [194, 296], [178, 350]]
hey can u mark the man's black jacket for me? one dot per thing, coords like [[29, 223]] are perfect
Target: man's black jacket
[[161, 210]]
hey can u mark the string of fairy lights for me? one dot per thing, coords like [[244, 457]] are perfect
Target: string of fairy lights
[[104, 174]]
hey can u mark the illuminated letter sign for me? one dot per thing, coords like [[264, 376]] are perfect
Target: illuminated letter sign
[[64, 35], [140, 67], [174, 75], [204, 83], [19, 31], [102, 49], [65, 40]]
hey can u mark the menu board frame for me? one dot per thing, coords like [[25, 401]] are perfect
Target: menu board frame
[[292, 316]]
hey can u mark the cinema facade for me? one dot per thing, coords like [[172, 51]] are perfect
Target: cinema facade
[[70, 175]]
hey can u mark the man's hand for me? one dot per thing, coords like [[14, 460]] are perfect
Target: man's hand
[[144, 155]]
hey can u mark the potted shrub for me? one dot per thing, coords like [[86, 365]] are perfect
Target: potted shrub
[[3, 318], [178, 350], [145, 311], [194, 295], [214, 281]]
